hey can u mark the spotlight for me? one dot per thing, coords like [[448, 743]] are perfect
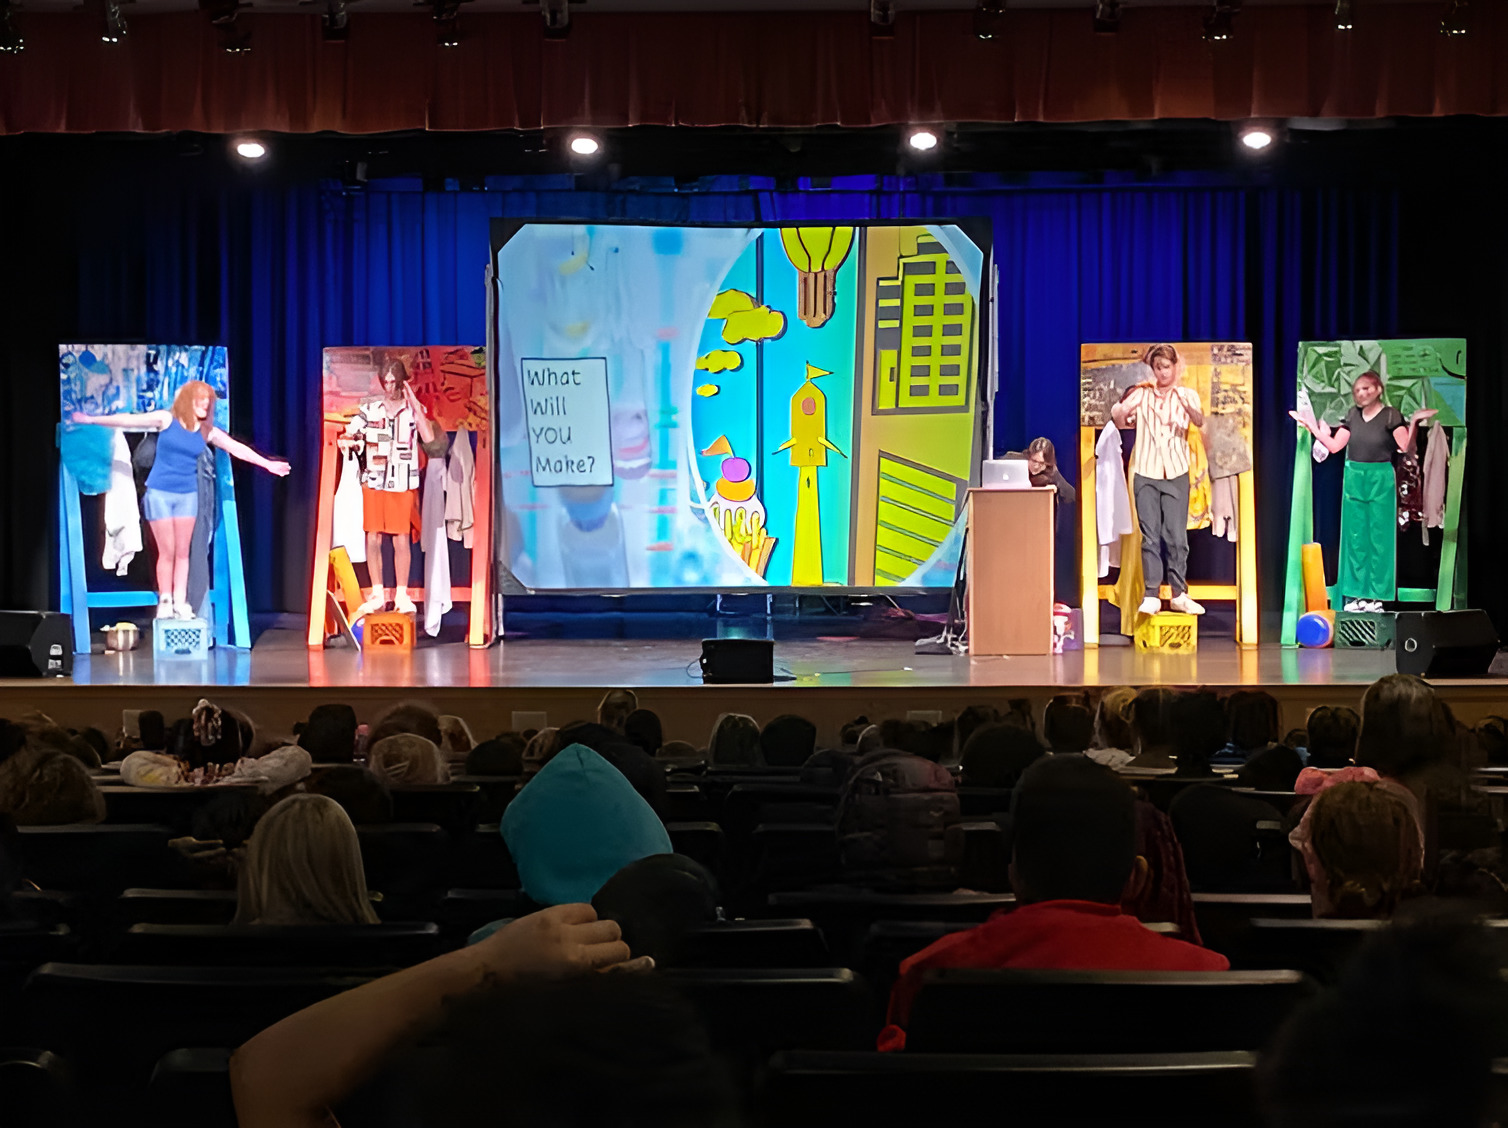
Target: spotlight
[[882, 18], [1219, 25], [557, 15], [10, 39], [1257, 137], [1343, 16], [922, 140], [1457, 18], [234, 41], [1107, 17], [335, 23], [447, 23], [585, 145], [249, 149], [115, 23], [989, 19]]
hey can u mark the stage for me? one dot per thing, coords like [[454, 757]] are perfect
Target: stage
[[831, 680]]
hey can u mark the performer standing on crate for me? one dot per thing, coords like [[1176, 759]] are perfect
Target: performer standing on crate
[[171, 503], [1162, 412], [385, 427], [1370, 433]]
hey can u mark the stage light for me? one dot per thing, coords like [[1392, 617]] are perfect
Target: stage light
[[557, 16], [1457, 18], [1107, 17], [10, 39], [249, 149], [234, 41], [447, 23], [115, 23], [585, 145], [1220, 24], [922, 140], [1257, 138], [1344, 20], [336, 22], [882, 18], [989, 19]]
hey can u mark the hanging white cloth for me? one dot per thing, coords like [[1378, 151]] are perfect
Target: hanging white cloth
[[436, 547], [460, 490], [347, 529], [1436, 475], [122, 514], [1223, 508], [1112, 500]]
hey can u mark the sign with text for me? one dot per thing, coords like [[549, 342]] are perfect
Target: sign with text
[[570, 433]]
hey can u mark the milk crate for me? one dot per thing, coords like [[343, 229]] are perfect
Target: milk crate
[[180, 638], [1169, 632], [1365, 630], [388, 629]]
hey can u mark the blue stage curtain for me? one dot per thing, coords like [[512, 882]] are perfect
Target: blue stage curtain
[[280, 272]]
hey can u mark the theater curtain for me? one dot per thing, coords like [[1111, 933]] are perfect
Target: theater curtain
[[747, 68], [279, 272]]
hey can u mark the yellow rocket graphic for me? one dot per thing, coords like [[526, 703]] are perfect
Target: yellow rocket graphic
[[808, 446]]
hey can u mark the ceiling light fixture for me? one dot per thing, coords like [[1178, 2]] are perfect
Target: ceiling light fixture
[[557, 16], [1107, 17], [585, 145], [1344, 18], [447, 23], [882, 18], [10, 38], [1220, 25], [1457, 18], [989, 19], [115, 23], [1256, 137], [249, 149], [335, 23], [922, 140]]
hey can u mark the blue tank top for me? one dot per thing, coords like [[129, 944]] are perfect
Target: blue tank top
[[174, 469]]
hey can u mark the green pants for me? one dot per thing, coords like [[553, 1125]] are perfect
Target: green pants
[[1368, 532]]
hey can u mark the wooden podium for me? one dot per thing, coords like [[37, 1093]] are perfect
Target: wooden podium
[[1010, 570]]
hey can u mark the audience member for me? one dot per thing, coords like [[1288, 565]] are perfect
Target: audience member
[[40, 786], [1198, 728], [788, 741], [91, 747], [1274, 768], [456, 741], [734, 742], [1113, 740], [1073, 862], [361, 793], [501, 756], [658, 901], [1492, 738], [996, 755], [1219, 830], [971, 718], [12, 739], [849, 734], [406, 759], [1330, 736], [1362, 847], [518, 1022], [828, 767], [1151, 716], [329, 735], [614, 709], [1403, 730], [303, 867], [893, 816], [637, 766], [1297, 739], [1018, 711], [1252, 715], [218, 832], [540, 750], [406, 716], [1068, 724], [642, 727], [578, 822], [869, 741], [679, 751], [152, 731], [207, 738], [930, 742], [1166, 894]]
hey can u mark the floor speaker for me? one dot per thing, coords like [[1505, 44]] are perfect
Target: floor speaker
[[741, 661], [1445, 644], [36, 644]]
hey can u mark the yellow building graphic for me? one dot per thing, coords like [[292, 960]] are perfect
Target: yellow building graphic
[[924, 333]]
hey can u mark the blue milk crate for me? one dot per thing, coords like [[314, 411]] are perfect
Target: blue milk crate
[[180, 638]]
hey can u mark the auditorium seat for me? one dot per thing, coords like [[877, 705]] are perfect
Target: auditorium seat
[[757, 944], [170, 806], [792, 855], [451, 806], [1100, 1012], [190, 1088], [817, 1089], [700, 841], [463, 911], [979, 853], [1318, 947], [1225, 918], [23, 947], [982, 802], [496, 793], [48, 906], [98, 858], [258, 945], [176, 906], [758, 1011], [844, 915], [38, 1089], [482, 861], [406, 862], [747, 804], [685, 801]]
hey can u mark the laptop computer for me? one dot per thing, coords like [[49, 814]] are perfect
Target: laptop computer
[[1005, 474]]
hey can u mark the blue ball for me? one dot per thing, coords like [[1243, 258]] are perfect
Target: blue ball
[[1315, 630]]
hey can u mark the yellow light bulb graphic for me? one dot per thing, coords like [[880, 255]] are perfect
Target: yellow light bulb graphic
[[816, 253]]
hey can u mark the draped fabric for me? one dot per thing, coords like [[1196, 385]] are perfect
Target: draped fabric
[[747, 68], [279, 272]]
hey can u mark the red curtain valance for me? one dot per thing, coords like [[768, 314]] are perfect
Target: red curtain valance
[[751, 69]]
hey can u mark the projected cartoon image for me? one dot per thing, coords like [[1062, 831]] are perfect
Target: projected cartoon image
[[713, 407]]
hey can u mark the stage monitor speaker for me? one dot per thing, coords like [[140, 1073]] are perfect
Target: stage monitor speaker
[[36, 644], [1445, 644], [737, 660]]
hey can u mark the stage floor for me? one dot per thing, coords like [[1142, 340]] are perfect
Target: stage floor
[[830, 680]]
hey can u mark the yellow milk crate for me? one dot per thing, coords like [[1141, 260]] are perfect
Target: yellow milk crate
[[1169, 632]]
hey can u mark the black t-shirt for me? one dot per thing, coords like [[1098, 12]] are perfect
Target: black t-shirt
[[1371, 441]]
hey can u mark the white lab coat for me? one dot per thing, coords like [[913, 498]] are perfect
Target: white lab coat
[[347, 525], [436, 547], [1112, 500], [122, 514], [460, 490]]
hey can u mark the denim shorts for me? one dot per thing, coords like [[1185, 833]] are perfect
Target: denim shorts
[[159, 505]]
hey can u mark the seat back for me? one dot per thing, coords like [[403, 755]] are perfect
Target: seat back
[[463, 911], [700, 841], [406, 862], [230, 945], [99, 858], [844, 916], [37, 1089], [1224, 919], [757, 944], [190, 1088], [176, 906], [1319, 948], [1101, 1012], [172, 807], [451, 806], [756, 1012]]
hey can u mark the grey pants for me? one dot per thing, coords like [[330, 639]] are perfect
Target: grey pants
[[1162, 511]]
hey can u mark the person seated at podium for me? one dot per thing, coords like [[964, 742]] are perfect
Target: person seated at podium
[[1162, 411]]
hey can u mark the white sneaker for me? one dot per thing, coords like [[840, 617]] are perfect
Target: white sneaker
[[1372, 605], [164, 609], [1184, 603], [403, 604], [183, 610], [1354, 606], [1150, 606], [375, 602]]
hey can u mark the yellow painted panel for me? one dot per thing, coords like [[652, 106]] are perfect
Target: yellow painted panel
[[902, 545], [928, 503], [914, 524], [935, 484]]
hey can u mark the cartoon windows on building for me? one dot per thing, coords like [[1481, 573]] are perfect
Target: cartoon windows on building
[[924, 332]]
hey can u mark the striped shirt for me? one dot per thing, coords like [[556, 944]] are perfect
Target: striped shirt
[[1161, 420]]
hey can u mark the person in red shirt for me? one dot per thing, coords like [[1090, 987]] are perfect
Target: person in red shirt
[[1073, 862]]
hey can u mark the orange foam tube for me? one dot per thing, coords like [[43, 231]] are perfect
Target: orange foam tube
[[1316, 598]]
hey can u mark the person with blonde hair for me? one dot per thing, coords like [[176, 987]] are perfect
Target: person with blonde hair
[[1112, 744], [171, 503], [614, 708], [303, 866], [406, 759], [735, 742]]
